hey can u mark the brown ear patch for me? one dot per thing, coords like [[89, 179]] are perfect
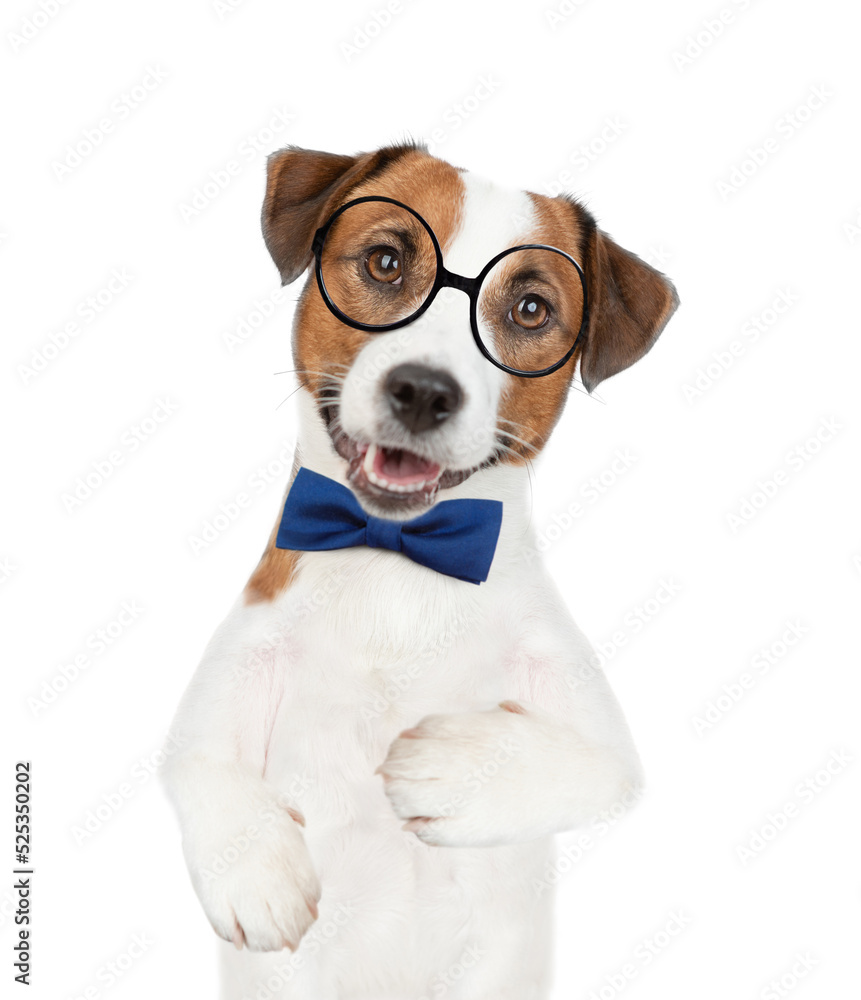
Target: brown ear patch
[[303, 187], [630, 303]]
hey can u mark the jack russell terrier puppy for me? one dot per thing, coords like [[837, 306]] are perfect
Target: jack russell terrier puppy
[[399, 712]]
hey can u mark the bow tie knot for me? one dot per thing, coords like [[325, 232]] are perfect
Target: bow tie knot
[[382, 534], [455, 537]]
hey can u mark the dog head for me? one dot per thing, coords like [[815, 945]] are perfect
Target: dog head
[[419, 404]]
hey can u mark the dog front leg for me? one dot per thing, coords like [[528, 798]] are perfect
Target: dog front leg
[[242, 841], [552, 756]]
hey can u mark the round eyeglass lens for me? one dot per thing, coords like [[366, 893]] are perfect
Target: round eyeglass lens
[[378, 263], [529, 309]]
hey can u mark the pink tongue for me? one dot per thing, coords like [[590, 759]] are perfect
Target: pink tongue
[[403, 466]]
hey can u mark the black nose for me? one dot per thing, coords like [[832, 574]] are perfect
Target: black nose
[[422, 397]]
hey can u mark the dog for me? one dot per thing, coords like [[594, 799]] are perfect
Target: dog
[[399, 713]]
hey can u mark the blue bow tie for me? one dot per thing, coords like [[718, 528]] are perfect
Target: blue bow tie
[[455, 537]]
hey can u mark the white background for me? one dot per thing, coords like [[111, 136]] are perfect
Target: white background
[[515, 92]]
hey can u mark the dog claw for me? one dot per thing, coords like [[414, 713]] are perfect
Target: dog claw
[[238, 937], [296, 816], [417, 823]]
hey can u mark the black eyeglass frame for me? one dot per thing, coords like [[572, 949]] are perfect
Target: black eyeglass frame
[[445, 279]]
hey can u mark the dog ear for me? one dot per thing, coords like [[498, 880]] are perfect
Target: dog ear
[[630, 303], [303, 188]]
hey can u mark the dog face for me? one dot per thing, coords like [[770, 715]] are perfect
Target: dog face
[[419, 408]]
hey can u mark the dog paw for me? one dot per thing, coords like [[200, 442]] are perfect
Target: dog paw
[[255, 879], [464, 780]]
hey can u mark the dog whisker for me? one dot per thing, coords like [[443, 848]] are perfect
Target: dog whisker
[[577, 384], [288, 396], [513, 423], [501, 432], [506, 450], [334, 376]]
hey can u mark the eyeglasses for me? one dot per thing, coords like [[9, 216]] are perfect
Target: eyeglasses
[[379, 267]]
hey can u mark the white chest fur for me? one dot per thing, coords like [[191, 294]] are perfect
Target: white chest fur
[[297, 703], [372, 644]]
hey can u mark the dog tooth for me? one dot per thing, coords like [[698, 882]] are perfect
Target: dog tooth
[[368, 461]]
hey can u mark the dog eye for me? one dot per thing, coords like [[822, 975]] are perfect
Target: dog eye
[[531, 312], [384, 264]]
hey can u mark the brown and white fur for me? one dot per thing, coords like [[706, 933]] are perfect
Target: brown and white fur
[[375, 757]]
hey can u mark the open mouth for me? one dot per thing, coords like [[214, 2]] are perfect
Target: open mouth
[[397, 470], [393, 477]]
